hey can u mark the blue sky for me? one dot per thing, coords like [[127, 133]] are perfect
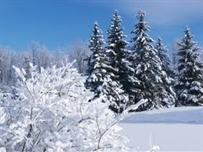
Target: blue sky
[[60, 23]]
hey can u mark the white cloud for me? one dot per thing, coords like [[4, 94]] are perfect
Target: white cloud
[[165, 11]]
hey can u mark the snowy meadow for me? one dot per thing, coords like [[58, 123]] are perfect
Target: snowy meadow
[[172, 129]]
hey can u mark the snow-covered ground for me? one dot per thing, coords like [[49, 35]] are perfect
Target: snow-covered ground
[[173, 130]]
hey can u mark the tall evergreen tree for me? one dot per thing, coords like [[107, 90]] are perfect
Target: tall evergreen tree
[[190, 78], [95, 70], [148, 83], [167, 71], [116, 46], [100, 73]]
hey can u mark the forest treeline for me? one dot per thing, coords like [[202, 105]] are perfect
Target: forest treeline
[[39, 55], [139, 68]]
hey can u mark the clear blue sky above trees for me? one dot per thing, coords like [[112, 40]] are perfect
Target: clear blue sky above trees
[[59, 23]]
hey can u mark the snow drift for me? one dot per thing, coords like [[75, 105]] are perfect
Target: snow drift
[[189, 115]]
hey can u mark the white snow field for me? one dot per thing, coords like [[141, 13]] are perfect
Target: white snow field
[[173, 130]]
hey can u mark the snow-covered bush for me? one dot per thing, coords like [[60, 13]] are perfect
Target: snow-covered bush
[[50, 112]]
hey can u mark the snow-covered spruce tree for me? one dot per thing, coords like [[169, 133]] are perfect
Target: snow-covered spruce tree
[[190, 79], [100, 73], [116, 52], [51, 112], [116, 47], [148, 77], [96, 60], [168, 70]]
